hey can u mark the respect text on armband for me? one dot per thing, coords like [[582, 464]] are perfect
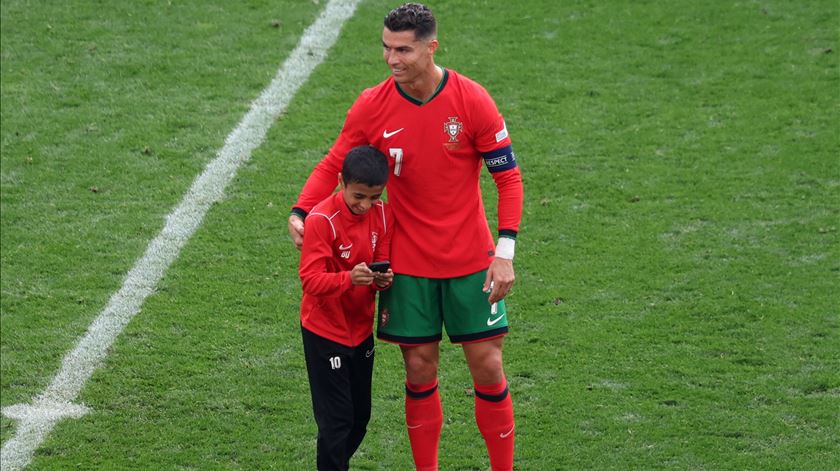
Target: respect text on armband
[[500, 159]]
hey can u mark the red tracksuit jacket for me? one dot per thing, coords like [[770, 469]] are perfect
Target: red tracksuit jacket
[[334, 241]]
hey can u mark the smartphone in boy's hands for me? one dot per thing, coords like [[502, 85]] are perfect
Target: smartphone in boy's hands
[[380, 267]]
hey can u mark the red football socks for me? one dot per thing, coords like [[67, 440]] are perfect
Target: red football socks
[[423, 418], [494, 417]]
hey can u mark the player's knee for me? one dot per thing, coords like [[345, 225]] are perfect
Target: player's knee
[[490, 366], [420, 369], [487, 369]]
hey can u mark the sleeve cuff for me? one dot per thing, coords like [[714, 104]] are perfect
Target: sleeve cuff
[[509, 233], [299, 212]]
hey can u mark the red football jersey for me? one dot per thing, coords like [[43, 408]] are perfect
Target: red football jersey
[[335, 241], [436, 150]]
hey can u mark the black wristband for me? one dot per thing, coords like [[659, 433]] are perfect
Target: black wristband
[[299, 212], [510, 234]]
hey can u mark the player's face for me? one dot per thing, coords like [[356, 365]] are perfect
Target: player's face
[[407, 57], [360, 197]]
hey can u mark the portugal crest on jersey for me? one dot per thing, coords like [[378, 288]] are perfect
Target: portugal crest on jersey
[[453, 128]]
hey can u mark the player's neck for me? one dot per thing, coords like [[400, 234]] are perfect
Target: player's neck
[[425, 86]]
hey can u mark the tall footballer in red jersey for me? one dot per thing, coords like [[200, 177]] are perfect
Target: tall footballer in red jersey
[[436, 150], [438, 129]]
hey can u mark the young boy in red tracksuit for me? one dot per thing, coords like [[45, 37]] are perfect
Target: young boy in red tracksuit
[[344, 234]]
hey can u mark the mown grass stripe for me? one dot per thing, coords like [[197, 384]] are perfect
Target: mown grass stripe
[[54, 404]]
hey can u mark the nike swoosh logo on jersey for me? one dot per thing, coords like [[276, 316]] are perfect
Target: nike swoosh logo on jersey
[[341, 247], [505, 435], [387, 134], [493, 321], [412, 427], [368, 353]]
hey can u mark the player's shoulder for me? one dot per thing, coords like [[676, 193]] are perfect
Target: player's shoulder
[[465, 84], [377, 93]]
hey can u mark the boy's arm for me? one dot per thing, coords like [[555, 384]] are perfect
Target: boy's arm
[[314, 261], [383, 246]]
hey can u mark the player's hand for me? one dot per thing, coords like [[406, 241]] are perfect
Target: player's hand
[[499, 279], [361, 275], [383, 280], [296, 230]]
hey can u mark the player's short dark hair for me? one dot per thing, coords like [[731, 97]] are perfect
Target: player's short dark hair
[[412, 17], [366, 165]]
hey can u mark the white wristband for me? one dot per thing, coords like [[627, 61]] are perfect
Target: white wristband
[[505, 248]]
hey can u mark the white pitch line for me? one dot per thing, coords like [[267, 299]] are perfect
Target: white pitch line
[[55, 403]]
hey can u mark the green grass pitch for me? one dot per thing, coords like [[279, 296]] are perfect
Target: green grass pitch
[[677, 268]]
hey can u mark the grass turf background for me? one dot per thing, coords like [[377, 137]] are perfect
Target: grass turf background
[[676, 264]]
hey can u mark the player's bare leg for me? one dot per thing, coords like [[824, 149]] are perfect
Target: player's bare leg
[[423, 411], [493, 406], [421, 362], [485, 361]]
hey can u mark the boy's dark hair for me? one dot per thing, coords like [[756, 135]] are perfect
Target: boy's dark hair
[[412, 17], [366, 165]]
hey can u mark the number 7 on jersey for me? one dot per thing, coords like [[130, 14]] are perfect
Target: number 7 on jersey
[[397, 154]]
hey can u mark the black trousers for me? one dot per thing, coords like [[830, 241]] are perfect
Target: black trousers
[[340, 383]]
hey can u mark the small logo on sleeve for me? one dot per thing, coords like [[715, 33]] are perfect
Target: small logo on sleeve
[[503, 133]]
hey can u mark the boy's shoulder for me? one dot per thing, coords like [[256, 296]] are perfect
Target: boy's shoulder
[[325, 207], [320, 218]]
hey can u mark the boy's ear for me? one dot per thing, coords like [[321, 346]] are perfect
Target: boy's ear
[[340, 181]]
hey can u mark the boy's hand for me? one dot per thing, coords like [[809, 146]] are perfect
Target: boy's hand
[[361, 275], [383, 280]]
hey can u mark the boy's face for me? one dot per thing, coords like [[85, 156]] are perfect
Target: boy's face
[[360, 197]]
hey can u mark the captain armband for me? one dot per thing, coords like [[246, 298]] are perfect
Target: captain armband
[[500, 160]]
